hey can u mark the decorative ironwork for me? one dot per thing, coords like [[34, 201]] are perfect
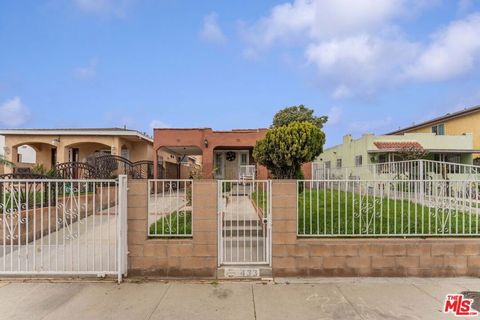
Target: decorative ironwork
[[109, 166], [98, 166], [22, 175], [75, 170]]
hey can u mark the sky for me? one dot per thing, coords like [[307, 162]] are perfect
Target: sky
[[370, 65]]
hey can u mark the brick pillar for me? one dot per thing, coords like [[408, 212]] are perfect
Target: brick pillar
[[137, 223], [173, 257], [284, 229], [204, 228]]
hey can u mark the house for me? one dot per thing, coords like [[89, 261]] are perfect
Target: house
[[51, 147], [25, 154], [455, 123], [220, 154], [370, 154]]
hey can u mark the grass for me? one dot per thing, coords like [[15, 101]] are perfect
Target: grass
[[345, 213], [261, 201], [37, 198], [19, 199], [175, 224]]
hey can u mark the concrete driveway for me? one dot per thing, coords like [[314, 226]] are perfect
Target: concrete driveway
[[346, 298]]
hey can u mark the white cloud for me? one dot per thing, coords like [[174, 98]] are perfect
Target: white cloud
[[320, 19], [114, 7], [453, 51], [341, 91], [87, 72], [334, 116], [211, 31], [158, 124], [14, 113], [359, 46]]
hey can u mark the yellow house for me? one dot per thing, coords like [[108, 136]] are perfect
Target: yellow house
[[456, 123]]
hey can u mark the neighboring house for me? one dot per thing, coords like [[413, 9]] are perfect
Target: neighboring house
[[53, 146], [224, 154], [355, 158], [455, 123], [26, 154]]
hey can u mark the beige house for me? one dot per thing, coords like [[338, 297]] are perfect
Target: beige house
[[53, 146], [370, 154]]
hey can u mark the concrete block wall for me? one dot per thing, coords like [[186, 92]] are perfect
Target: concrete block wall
[[190, 257], [432, 257], [291, 256]]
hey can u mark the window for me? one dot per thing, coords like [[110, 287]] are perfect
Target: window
[[327, 164], [439, 129], [339, 163], [358, 161], [243, 159]]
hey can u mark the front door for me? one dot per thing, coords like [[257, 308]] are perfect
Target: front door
[[245, 222]]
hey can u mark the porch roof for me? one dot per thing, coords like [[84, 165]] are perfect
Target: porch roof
[[122, 132]]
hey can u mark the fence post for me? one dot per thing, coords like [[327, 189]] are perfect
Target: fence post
[[122, 227]]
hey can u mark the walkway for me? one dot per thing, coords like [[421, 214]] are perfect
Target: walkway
[[83, 246], [348, 298]]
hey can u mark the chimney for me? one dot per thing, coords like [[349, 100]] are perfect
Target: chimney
[[347, 138]]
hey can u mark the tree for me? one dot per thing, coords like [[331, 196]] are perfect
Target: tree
[[411, 153], [285, 148], [297, 114], [5, 162]]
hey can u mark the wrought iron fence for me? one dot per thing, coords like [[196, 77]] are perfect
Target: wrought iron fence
[[170, 209], [399, 170], [383, 208], [61, 227]]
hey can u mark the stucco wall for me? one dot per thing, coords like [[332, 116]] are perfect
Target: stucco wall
[[87, 144], [235, 140], [350, 148], [457, 126]]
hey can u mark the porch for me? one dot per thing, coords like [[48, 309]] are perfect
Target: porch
[[234, 164]]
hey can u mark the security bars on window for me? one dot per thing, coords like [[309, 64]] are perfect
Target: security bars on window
[[170, 208], [384, 208]]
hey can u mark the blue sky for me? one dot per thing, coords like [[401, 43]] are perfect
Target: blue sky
[[372, 65]]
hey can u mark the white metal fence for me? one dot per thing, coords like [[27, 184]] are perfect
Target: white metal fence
[[244, 219], [362, 208], [63, 227], [399, 170], [170, 208]]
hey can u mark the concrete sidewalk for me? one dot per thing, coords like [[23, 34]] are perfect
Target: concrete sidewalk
[[326, 298]]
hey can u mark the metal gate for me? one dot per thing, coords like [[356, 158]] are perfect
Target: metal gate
[[63, 227], [245, 222]]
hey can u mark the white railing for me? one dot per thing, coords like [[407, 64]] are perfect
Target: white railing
[[63, 227], [244, 219], [170, 209], [384, 208], [246, 172], [405, 170]]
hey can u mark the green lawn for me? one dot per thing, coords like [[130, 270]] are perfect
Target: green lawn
[[345, 213], [37, 198], [19, 199], [175, 224], [261, 201]]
